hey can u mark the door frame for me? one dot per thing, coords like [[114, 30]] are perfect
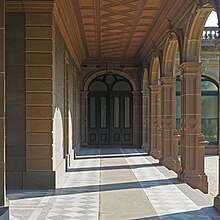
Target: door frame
[[136, 98]]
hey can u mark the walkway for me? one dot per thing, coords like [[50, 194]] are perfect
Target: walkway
[[113, 184]]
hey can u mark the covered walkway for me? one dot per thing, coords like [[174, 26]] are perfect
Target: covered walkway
[[114, 184]]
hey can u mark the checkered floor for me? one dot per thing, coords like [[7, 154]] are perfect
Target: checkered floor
[[79, 196]]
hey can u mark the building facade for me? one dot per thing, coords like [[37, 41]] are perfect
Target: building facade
[[104, 73]]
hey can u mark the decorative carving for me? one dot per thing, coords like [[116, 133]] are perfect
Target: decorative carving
[[167, 122]]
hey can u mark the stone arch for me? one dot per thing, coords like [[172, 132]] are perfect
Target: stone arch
[[170, 52], [155, 69], [95, 74], [145, 82], [193, 33]]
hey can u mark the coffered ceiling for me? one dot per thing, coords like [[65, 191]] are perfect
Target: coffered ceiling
[[115, 28], [118, 30]]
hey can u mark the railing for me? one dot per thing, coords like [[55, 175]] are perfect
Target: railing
[[210, 33]]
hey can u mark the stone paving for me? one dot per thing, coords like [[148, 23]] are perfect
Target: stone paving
[[115, 184]]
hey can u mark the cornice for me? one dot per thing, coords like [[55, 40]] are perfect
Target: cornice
[[66, 21], [29, 6]]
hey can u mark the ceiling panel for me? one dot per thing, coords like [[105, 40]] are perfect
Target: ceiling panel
[[116, 28]]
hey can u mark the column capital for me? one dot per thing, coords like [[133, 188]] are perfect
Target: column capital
[[145, 92], [155, 88], [167, 80], [84, 93], [217, 42], [190, 68], [135, 93]]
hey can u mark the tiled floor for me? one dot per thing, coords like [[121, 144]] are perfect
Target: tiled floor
[[114, 184]]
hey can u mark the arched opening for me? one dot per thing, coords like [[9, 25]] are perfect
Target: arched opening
[[209, 110], [110, 111]]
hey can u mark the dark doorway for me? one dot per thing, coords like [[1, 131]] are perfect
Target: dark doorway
[[110, 111]]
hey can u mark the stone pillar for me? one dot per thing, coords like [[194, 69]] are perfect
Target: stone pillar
[[136, 119], [217, 198], [39, 101], [84, 116], [145, 120], [4, 211], [192, 141], [2, 106], [155, 121], [169, 145]]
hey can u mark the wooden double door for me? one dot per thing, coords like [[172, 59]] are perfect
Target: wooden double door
[[110, 118]]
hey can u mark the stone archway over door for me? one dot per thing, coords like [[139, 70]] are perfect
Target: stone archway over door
[[110, 111]]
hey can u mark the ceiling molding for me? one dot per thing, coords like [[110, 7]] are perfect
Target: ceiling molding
[[29, 6]]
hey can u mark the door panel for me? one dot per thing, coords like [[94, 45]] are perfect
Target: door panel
[[93, 135], [115, 125], [102, 115], [127, 121]]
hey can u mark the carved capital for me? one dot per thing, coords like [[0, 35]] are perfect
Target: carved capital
[[155, 88], [190, 68], [217, 42], [167, 81]]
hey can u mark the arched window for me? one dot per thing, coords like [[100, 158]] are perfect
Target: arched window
[[210, 110], [178, 103]]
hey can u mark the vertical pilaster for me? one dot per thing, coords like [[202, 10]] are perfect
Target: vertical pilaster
[[39, 100], [217, 198], [192, 141], [2, 105], [136, 118], [145, 120], [155, 121], [66, 111], [84, 104], [169, 145]]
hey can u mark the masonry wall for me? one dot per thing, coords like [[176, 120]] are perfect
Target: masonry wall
[[15, 99], [64, 100], [58, 102]]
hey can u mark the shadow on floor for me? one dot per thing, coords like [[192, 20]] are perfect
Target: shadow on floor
[[93, 153], [24, 194], [119, 167]]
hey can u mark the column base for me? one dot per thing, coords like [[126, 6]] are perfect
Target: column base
[[4, 213], [171, 164], [217, 202], [146, 148], [45, 179], [195, 180], [155, 154]]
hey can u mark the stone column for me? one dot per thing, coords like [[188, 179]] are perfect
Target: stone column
[[155, 121], [145, 120], [217, 198], [2, 105], [84, 116], [169, 145], [136, 119], [192, 141]]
